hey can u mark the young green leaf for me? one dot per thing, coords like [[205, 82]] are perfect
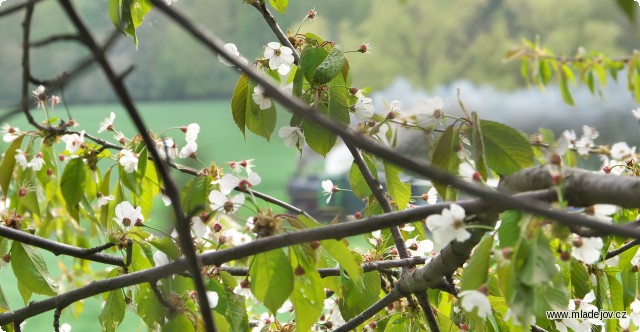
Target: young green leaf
[[308, 290], [113, 311], [72, 182], [356, 298], [507, 151], [330, 67], [445, 157], [271, 278], [399, 191], [279, 5], [240, 101], [31, 270], [8, 163], [477, 271]]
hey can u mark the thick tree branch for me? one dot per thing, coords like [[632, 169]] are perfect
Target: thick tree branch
[[581, 188], [57, 248], [171, 189], [418, 167]]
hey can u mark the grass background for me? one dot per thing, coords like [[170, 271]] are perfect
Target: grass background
[[220, 141]]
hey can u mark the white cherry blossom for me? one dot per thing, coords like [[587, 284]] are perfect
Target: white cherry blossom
[[293, 136], [448, 226], [260, 98], [233, 49], [212, 298], [621, 150], [229, 182], [73, 141], [220, 201], [21, 159], [363, 107], [128, 216], [191, 132], [129, 161], [9, 133], [328, 188], [587, 249], [472, 299], [188, 150], [107, 123], [37, 162], [280, 57], [160, 258], [167, 148]]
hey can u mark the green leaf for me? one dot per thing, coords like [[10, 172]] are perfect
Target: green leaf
[[629, 286], [509, 231], [149, 307], [239, 102], [564, 88], [628, 7], [4, 305], [616, 292], [357, 299], [298, 82], [114, 12], [139, 9], [279, 5], [544, 71], [8, 163], [540, 265], [308, 290], [271, 278], [31, 270], [478, 147], [330, 67], [310, 59], [477, 271], [319, 138], [399, 191], [579, 279], [25, 292], [338, 251], [179, 323], [507, 151], [72, 181], [195, 193], [247, 114], [113, 311], [445, 157], [151, 189], [359, 186], [167, 246]]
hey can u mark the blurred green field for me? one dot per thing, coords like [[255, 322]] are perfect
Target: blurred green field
[[219, 141]]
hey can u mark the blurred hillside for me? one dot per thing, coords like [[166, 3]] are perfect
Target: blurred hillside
[[430, 43]]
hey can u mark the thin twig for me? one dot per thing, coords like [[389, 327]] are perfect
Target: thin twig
[[370, 312], [58, 248], [12, 9], [56, 319], [53, 39], [170, 308], [623, 248], [423, 300], [273, 24]]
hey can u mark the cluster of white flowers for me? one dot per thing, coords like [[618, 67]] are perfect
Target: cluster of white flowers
[[585, 143], [41, 97], [22, 159], [574, 324]]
